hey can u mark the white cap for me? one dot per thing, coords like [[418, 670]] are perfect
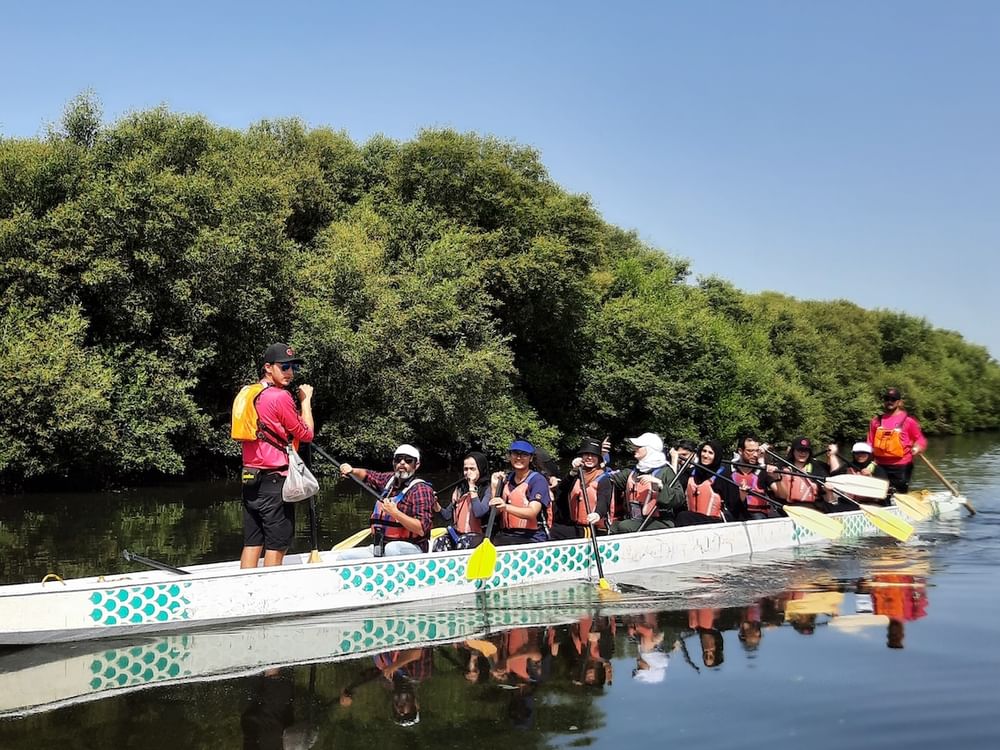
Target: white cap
[[648, 440], [407, 450], [861, 448]]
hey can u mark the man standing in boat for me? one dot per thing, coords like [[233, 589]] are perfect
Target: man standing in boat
[[896, 438], [268, 521], [401, 521]]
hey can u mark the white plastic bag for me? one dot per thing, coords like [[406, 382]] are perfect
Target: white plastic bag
[[300, 483]]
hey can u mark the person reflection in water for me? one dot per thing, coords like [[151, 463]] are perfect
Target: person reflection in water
[[651, 662], [593, 643], [702, 621], [898, 596], [399, 672], [270, 711]]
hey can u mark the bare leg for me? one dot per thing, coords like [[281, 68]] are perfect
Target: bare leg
[[250, 557], [273, 557]]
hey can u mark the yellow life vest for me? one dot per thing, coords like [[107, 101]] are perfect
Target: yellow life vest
[[245, 412]]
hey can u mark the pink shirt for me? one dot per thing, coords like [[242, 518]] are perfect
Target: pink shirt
[[910, 434], [276, 410]]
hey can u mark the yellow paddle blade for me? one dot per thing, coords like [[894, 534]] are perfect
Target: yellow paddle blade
[[482, 561], [314, 556], [815, 603], [486, 648], [353, 540], [887, 522], [437, 531], [914, 506], [816, 522], [854, 623]]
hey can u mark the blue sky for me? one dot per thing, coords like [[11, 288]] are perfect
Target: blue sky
[[822, 149]]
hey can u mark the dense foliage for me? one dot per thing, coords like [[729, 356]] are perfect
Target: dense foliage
[[445, 291]]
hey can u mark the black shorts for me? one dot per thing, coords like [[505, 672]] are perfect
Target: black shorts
[[268, 520]]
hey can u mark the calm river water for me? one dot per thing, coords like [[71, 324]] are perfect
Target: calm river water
[[876, 644]]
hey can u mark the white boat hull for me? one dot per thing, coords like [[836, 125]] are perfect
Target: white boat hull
[[157, 601]]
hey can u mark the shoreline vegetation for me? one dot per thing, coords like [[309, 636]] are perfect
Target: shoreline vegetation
[[443, 290]]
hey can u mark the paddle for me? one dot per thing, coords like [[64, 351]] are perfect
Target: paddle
[[357, 481], [880, 518], [677, 475], [602, 582], [359, 536], [851, 484], [133, 557], [483, 559], [314, 556], [913, 506], [951, 488], [807, 518]]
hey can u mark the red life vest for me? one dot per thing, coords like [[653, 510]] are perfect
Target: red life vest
[[518, 497], [750, 481], [795, 488], [391, 528], [578, 508], [702, 498], [639, 496], [464, 520]]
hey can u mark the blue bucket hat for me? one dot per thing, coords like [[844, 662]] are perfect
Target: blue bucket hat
[[523, 446]]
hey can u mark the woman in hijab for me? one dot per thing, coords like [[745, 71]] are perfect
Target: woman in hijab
[[648, 494], [704, 490], [463, 514]]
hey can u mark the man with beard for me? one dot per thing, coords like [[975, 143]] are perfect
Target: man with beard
[[401, 521]]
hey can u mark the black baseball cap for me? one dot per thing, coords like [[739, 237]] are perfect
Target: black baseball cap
[[892, 394], [279, 352], [802, 443]]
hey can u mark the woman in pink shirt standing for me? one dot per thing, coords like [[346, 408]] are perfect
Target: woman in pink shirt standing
[[896, 438], [268, 521]]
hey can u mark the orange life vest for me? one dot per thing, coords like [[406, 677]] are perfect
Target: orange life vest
[[888, 443], [750, 481], [464, 520], [702, 497], [640, 497], [577, 507], [518, 497], [795, 488], [388, 526]]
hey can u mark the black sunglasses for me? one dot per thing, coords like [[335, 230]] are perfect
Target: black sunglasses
[[401, 459], [286, 366]]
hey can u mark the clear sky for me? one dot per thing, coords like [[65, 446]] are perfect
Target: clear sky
[[841, 149]]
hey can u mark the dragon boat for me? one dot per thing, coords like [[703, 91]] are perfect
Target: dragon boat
[[161, 601]]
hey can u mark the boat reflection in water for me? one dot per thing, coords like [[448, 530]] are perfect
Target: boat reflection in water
[[526, 659]]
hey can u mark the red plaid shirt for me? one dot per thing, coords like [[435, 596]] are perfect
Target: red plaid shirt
[[417, 503]]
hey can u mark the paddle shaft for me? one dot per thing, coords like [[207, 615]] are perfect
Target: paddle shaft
[[357, 481], [951, 488], [677, 475], [593, 531], [133, 557]]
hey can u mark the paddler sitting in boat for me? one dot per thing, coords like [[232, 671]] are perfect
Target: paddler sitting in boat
[[524, 507], [401, 521], [574, 511], [793, 480], [650, 492], [863, 463], [467, 506], [746, 475], [705, 500]]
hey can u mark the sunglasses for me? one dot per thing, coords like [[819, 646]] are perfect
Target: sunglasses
[[519, 454], [404, 460], [286, 366]]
